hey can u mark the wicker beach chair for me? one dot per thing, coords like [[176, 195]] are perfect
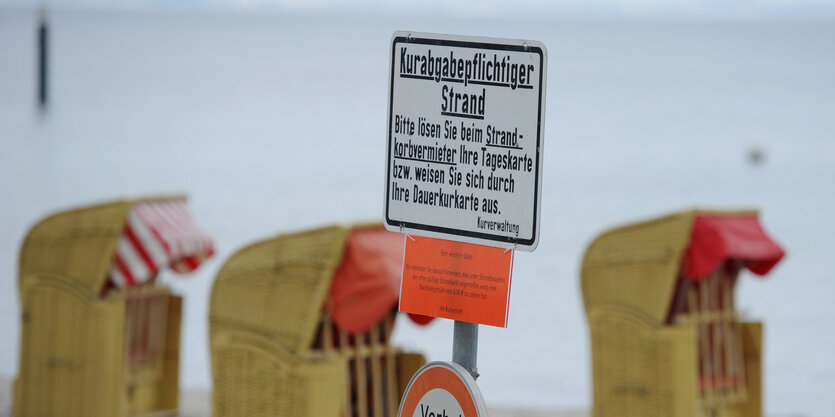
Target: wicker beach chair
[[100, 338], [666, 338], [300, 326]]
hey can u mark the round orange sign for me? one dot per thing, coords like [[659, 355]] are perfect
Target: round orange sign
[[442, 389]]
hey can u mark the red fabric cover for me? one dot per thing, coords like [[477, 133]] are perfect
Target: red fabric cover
[[367, 283], [718, 238], [420, 318], [157, 234]]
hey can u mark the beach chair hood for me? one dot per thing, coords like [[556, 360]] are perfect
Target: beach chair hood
[[636, 267], [352, 271], [367, 284], [121, 244], [717, 238]]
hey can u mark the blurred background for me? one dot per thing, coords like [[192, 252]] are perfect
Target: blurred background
[[271, 116]]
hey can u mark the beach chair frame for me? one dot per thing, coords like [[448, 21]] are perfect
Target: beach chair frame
[[84, 351], [658, 340], [275, 349]]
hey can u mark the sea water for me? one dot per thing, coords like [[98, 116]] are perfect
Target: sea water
[[275, 122]]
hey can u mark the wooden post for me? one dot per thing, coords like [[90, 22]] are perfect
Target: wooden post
[[376, 372], [391, 369], [43, 52], [716, 333], [360, 352], [348, 406]]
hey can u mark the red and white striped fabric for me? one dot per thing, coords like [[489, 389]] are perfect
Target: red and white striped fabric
[[157, 234]]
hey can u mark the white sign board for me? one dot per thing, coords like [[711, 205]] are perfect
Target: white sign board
[[465, 138]]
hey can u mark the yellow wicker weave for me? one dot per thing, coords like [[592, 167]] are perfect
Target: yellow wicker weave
[[635, 267], [642, 366], [73, 341], [76, 245], [274, 349], [268, 288]]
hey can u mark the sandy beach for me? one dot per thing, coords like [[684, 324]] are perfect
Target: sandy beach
[[196, 403]]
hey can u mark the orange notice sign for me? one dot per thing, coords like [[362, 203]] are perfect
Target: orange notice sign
[[456, 280]]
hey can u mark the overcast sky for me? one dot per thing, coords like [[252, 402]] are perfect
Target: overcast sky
[[733, 8]]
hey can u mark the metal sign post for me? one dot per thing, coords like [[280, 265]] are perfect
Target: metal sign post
[[465, 143], [465, 346]]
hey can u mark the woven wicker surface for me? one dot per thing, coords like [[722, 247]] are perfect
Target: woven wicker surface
[[256, 377], [73, 358], [635, 268], [642, 366], [640, 370], [274, 288], [266, 309], [752, 344], [76, 244], [276, 350]]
